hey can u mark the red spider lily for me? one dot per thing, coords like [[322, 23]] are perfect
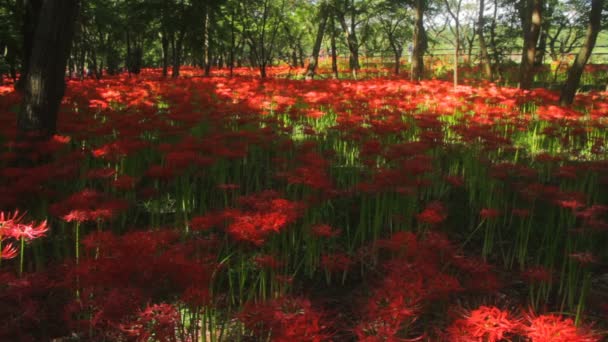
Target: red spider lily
[[30, 231], [553, 328], [124, 182], [583, 257], [209, 220], [471, 265], [8, 251], [489, 213], [536, 274], [400, 241], [324, 230], [88, 205], [483, 324], [336, 262], [8, 220], [266, 214], [196, 297], [285, 320], [267, 261], [433, 214], [520, 212], [158, 321], [101, 173]]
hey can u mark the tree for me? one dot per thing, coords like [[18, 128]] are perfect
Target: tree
[[313, 61], [420, 40], [483, 48], [531, 12], [576, 70], [44, 83], [391, 17], [454, 11]]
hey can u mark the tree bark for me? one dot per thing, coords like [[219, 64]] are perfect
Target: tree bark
[[45, 81], [165, 47], [208, 21], [532, 16], [314, 58], [575, 72], [420, 42], [334, 53], [351, 42], [483, 48], [30, 22]]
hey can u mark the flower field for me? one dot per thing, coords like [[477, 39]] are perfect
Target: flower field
[[240, 209]]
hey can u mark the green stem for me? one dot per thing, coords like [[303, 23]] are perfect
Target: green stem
[[21, 256]]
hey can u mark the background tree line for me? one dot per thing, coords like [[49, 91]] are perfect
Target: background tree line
[[97, 37]]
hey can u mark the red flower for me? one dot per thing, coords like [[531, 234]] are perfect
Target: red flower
[[537, 274], [553, 328], [325, 230], [483, 324], [488, 213], [8, 252], [267, 261], [30, 231], [433, 214], [337, 262]]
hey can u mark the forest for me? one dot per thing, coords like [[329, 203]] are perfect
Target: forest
[[304, 170]]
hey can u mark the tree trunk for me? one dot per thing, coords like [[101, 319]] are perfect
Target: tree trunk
[[575, 72], [165, 47], [314, 58], [45, 81], [351, 42], [208, 55], [334, 53], [420, 42], [30, 22], [541, 48], [532, 16], [177, 53], [483, 49]]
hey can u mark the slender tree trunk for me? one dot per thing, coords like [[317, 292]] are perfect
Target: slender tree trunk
[[30, 22], [314, 58], [455, 14], [334, 50], [575, 72], [352, 44], [300, 54], [420, 42], [533, 21], [177, 53], [45, 81], [208, 55], [541, 48], [165, 47], [232, 43], [483, 49]]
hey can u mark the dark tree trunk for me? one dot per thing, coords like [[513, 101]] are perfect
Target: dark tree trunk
[[300, 54], [165, 48], [32, 10], [45, 81], [314, 58], [541, 48], [208, 52], [483, 49], [532, 21], [420, 42], [177, 53], [575, 72], [334, 54], [397, 53], [351, 42]]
